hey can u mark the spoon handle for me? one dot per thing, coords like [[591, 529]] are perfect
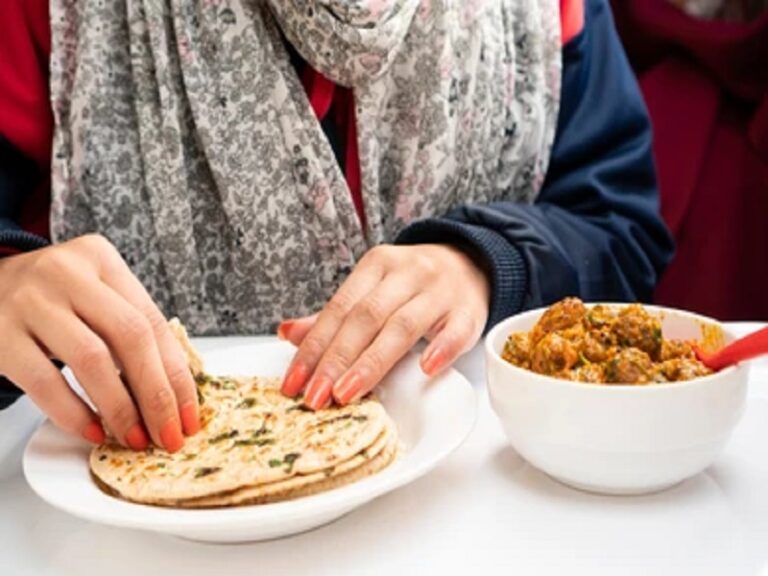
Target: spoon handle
[[742, 349]]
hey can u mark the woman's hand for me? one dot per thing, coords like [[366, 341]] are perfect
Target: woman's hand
[[79, 302], [395, 296]]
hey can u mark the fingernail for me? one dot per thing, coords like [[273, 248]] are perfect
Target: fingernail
[[94, 433], [170, 436], [433, 361], [348, 388], [137, 438], [284, 328], [318, 392], [189, 419], [295, 379]]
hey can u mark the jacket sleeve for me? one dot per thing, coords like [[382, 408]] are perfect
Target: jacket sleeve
[[595, 229]]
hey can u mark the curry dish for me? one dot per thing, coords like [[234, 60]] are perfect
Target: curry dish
[[602, 345]]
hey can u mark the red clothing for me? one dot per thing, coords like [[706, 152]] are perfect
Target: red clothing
[[706, 87], [25, 112]]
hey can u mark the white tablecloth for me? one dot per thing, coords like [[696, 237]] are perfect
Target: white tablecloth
[[483, 511]]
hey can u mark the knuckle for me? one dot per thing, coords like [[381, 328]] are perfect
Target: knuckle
[[371, 311], [19, 300], [101, 251], [312, 348], [380, 254], [90, 355], [426, 265], [161, 401], [120, 416], [54, 262], [339, 358], [95, 242], [339, 305], [180, 378], [406, 325], [135, 328], [375, 361], [157, 322]]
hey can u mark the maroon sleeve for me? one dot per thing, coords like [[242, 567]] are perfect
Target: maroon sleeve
[[26, 120]]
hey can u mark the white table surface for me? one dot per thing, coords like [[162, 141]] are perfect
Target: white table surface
[[483, 511]]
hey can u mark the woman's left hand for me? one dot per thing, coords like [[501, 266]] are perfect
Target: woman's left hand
[[395, 296]]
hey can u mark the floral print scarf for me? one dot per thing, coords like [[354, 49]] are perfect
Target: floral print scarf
[[183, 135]]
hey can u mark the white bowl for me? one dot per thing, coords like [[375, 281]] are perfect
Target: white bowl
[[616, 439]]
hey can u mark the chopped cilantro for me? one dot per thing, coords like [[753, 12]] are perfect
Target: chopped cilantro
[[206, 471], [223, 436], [247, 403]]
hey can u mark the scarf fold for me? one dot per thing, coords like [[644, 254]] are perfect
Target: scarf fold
[[184, 135]]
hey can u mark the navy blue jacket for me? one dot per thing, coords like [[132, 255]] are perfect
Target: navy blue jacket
[[595, 229]]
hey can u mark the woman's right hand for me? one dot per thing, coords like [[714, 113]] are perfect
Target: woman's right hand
[[78, 302]]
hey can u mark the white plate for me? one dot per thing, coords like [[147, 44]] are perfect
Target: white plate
[[432, 416]]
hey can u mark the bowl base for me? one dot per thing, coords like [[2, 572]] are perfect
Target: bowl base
[[616, 491]]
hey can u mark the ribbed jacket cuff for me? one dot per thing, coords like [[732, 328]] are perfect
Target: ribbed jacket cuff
[[502, 262], [20, 240]]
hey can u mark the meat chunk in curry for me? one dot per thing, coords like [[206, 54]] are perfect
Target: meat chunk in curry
[[602, 345]]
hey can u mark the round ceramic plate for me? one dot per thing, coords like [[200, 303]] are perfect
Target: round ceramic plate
[[433, 418]]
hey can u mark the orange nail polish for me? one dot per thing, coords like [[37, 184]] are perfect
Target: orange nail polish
[[137, 438], [318, 392], [284, 328], [433, 361], [295, 379], [348, 388], [170, 436], [189, 419], [94, 433]]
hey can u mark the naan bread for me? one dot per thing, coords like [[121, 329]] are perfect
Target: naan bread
[[370, 461], [255, 446], [252, 435]]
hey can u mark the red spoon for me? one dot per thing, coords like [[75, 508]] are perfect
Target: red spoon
[[745, 348]]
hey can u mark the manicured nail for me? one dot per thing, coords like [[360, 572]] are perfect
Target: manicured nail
[[170, 436], [284, 328], [433, 361], [348, 388], [94, 433], [295, 379], [318, 392], [137, 438], [189, 419]]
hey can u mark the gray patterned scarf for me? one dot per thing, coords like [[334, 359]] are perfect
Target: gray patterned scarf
[[184, 135]]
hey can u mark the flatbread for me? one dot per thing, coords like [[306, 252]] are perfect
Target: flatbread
[[194, 360], [370, 461], [252, 435]]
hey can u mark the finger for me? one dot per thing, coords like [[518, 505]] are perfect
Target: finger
[[362, 280], [131, 338], [34, 373], [356, 332], [70, 340], [398, 336], [118, 276], [296, 329], [461, 332]]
